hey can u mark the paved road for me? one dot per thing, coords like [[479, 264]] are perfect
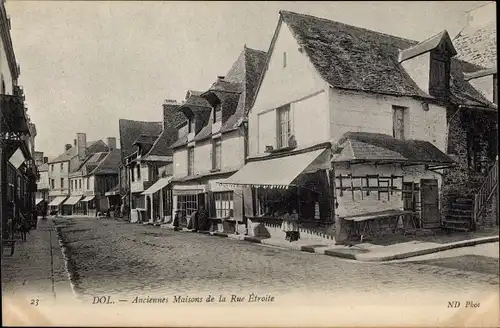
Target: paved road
[[112, 257]]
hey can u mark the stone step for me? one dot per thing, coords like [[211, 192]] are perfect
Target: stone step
[[462, 206]]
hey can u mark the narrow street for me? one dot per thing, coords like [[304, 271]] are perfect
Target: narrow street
[[109, 257]]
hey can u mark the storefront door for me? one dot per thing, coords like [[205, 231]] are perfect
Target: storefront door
[[430, 204]]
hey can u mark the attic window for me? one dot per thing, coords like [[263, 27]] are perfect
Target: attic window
[[191, 125], [284, 59], [217, 113]]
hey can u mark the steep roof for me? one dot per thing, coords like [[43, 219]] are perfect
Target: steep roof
[[351, 57], [428, 45], [109, 164], [131, 130], [355, 58], [92, 147], [478, 45], [365, 146]]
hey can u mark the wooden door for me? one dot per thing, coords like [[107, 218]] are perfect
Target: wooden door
[[430, 217]]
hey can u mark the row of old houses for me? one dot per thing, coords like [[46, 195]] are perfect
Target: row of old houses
[[332, 121], [18, 172]]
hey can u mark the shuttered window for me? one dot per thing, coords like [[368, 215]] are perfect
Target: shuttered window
[[216, 154], [398, 122], [284, 126]]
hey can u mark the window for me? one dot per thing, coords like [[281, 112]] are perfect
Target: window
[[52, 183], [217, 113], [88, 183], [167, 201], [398, 122], [62, 166], [284, 59], [192, 126], [52, 168], [284, 126], [132, 175], [224, 204], [62, 183], [187, 204], [216, 154], [80, 184], [138, 171], [190, 154]]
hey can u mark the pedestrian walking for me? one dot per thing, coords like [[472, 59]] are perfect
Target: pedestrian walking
[[24, 228], [44, 209], [290, 225], [203, 221], [176, 220]]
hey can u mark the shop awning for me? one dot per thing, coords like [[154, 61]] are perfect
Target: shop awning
[[38, 201], [157, 186], [277, 172], [88, 198], [364, 147], [57, 201], [73, 200], [188, 190]]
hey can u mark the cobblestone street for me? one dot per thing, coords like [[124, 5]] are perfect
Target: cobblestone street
[[118, 258]]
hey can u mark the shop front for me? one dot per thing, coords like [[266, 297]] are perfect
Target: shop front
[[159, 201], [187, 199], [55, 206], [70, 205], [279, 185], [88, 206]]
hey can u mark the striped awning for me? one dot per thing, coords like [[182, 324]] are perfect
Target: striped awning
[[88, 198], [278, 173], [73, 200], [58, 201], [157, 186]]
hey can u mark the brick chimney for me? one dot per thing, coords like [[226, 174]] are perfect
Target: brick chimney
[[111, 143], [171, 113], [81, 145]]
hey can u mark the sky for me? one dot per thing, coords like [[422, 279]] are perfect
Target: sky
[[85, 65]]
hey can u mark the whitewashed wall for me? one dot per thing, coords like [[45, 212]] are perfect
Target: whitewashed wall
[[280, 86], [232, 151], [180, 162], [357, 111]]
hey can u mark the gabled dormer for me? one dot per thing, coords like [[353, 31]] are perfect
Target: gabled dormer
[[428, 64], [197, 112], [485, 81]]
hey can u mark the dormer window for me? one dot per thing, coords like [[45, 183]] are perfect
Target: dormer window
[[217, 116], [191, 125]]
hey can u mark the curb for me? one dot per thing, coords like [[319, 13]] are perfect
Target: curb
[[445, 247], [364, 256]]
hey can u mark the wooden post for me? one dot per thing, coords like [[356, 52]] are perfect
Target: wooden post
[[331, 194]]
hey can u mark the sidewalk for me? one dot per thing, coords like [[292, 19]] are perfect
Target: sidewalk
[[365, 251], [37, 270]]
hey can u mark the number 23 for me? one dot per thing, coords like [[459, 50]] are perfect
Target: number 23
[[34, 302]]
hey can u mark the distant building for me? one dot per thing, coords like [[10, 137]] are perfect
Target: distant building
[[42, 191], [68, 162]]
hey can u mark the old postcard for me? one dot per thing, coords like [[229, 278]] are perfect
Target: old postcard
[[249, 164]]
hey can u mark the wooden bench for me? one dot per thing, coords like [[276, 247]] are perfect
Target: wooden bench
[[9, 243], [366, 220]]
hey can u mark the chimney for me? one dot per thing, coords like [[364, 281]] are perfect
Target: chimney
[[81, 145], [111, 143], [67, 147], [171, 115], [220, 77], [74, 142]]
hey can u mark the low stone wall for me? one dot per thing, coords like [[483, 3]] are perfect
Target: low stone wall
[[271, 228]]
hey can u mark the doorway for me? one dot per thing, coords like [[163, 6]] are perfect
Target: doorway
[[431, 217]]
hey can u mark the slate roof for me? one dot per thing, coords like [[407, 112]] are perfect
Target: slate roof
[[365, 146], [351, 57], [478, 45], [92, 147], [462, 92], [131, 130], [355, 58], [109, 164]]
